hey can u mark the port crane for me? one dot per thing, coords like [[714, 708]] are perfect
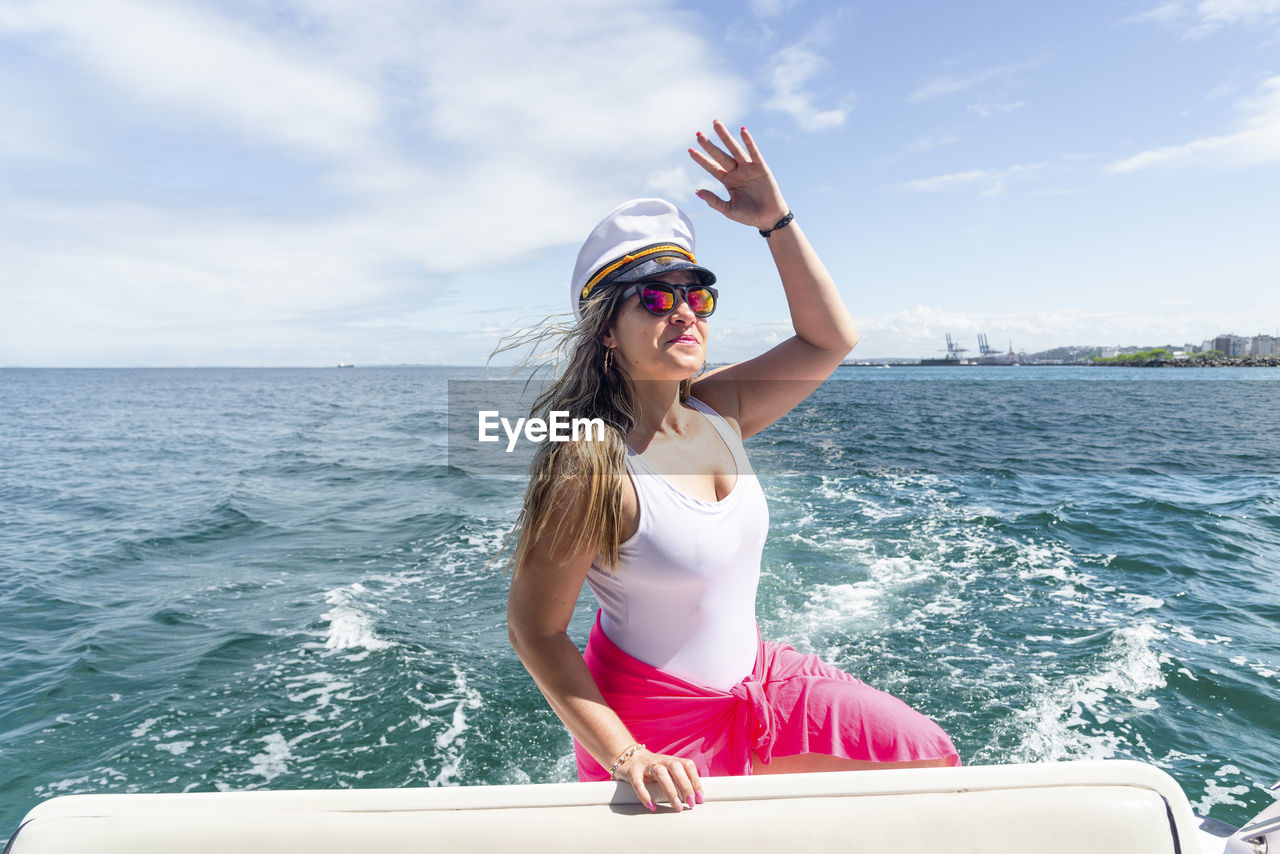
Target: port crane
[[954, 350]]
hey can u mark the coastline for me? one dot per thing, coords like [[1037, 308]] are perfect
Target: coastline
[[1114, 362], [1213, 362]]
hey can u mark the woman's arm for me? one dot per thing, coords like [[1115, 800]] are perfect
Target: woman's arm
[[540, 604], [762, 390]]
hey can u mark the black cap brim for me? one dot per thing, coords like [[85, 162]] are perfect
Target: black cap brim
[[647, 268]]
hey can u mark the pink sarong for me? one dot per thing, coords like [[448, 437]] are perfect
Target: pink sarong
[[790, 704]]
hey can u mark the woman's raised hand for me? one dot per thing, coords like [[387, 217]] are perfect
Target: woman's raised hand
[[678, 778], [754, 197]]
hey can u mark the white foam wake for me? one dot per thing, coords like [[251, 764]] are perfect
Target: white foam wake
[[351, 621], [1063, 719]]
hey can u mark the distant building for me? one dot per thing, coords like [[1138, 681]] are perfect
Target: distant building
[[1232, 345], [1263, 345]]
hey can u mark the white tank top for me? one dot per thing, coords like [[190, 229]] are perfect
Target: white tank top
[[683, 595]]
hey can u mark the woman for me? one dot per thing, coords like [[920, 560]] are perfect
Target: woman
[[666, 522]]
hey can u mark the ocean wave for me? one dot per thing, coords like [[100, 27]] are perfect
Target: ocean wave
[[352, 621], [1085, 715], [265, 586], [225, 521], [450, 742]]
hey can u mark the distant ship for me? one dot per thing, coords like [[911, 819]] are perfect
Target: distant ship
[[345, 365], [992, 356]]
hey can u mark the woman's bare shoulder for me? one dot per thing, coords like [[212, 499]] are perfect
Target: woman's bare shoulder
[[721, 394]]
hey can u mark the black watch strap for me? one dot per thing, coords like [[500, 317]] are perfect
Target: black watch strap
[[782, 223]]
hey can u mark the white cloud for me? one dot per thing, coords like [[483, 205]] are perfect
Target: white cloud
[[1255, 142], [1166, 13], [549, 91], [986, 111], [988, 182], [1216, 12], [435, 159], [31, 130], [1200, 19], [737, 343], [676, 183], [951, 181], [792, 70], [921, 144], [195, 63], [770, 8], [949, 84]]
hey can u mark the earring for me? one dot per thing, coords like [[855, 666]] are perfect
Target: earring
[[608, 360]]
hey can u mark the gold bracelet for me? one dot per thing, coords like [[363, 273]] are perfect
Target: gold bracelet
[[624, 756]]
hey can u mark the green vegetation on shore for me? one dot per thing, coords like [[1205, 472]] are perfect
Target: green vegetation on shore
[[1161, 357], [1130, 358]]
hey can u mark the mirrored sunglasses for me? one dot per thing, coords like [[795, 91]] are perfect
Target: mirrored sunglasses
[[659, 298]]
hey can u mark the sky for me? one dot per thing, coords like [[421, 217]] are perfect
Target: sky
[[307, 182]]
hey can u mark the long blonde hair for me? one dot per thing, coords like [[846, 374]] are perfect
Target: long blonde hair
[[586, 474]]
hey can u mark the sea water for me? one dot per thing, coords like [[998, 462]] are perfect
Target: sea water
[[224, 579]]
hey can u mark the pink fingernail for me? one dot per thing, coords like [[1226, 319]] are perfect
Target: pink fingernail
[[651, 807], [697, 793], [689, 801]]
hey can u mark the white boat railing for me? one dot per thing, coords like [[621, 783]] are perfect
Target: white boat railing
[[1096, 807]]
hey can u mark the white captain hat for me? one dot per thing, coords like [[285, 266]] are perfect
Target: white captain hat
[[636, 240]]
